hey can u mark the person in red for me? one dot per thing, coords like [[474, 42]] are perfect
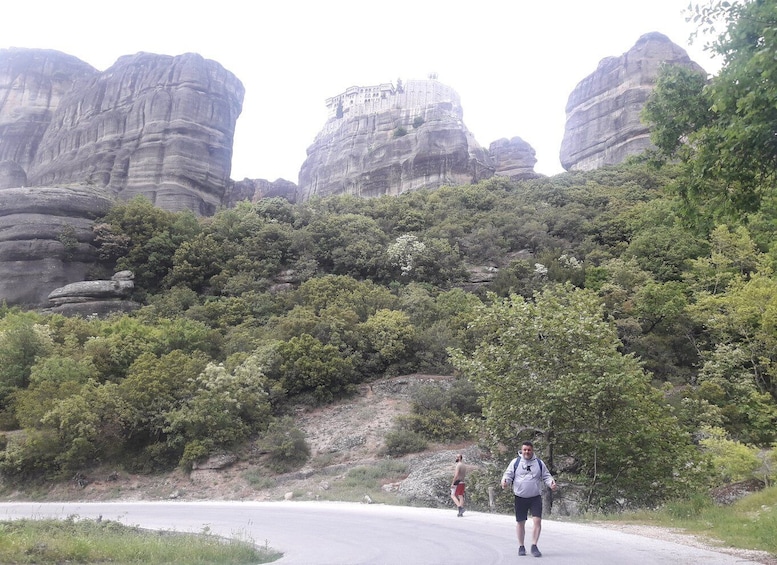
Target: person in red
[[457, 486], [527, 473]]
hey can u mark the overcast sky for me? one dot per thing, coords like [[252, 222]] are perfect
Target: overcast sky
[[513, 62]]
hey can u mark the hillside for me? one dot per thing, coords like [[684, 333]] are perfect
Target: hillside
[[342, 436]]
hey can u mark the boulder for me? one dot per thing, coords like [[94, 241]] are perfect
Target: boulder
[[94, 298], [730, 493], [120, 286], [386, 140], [603, 125]]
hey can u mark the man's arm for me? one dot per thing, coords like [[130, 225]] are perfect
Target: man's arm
[[509, 474], [547, 478]]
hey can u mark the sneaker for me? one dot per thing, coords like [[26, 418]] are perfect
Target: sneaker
[[460, 511], [522, 550], [535, 552]]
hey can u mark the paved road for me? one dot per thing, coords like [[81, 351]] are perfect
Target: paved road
[[332, 533]]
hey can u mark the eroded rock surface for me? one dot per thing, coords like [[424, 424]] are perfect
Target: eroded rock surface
[[46, 239], [32, 84], [513, 158], [604, 124], [73, 139], [95, 298], [386, 140], [256, 189], [151, 124]]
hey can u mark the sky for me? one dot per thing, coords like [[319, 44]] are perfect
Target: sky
[[514, 63]]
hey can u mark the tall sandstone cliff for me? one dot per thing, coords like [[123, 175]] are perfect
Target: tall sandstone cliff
[[32, 85], [604, 124], [73, 140], [153, 125], [386, 140]]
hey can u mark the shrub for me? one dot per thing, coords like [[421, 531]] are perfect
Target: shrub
[[732, 461], [285, 443], [401, 442], [374, 476]]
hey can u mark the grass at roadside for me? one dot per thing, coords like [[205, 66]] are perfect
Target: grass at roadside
[[750, 523], [88, 541], [351, 486]]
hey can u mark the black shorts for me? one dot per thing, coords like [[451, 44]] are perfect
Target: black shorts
[[523, 505]]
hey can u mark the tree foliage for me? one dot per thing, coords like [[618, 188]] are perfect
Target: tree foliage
[[723, 130], [552, 368]]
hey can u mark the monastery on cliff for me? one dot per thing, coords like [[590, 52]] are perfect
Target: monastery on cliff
[[359, 100]]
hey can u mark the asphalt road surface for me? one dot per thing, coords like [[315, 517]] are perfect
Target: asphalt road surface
[[333, 533]]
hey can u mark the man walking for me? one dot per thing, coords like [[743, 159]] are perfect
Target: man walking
[[457, 486], [527, 473]]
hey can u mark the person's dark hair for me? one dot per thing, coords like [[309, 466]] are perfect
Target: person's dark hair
[[527, 442], [459, 457]]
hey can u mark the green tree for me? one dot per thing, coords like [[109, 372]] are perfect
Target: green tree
[[224, 409], [723, 132], [154, 388], [347, 244], [741, 323], [385, 339], [142, 238], [305, 365], [552, 368], [51, 380], [22, 342], [90, 426], [731, 460]]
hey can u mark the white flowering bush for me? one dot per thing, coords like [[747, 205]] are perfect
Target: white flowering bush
[[570, 261], [404, 252]]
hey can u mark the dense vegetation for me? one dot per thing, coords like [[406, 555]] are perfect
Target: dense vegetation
[[630, 326]]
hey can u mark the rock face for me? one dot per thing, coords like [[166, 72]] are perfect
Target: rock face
[[151, 124], [255, 189], [154, 125], [46, 239], [513, 158], [11, 175], [603, 124], [32, 85], [72, 139], [386, 140]]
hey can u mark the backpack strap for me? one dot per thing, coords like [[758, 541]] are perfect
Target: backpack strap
[[517, 459]]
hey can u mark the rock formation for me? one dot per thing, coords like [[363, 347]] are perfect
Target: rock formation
[[513, 158], [12, 175], [72, 139], [603, 111], [32, 85], [46, 239], [388, 139], [154, 125], [94, 298], [255, 189]]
